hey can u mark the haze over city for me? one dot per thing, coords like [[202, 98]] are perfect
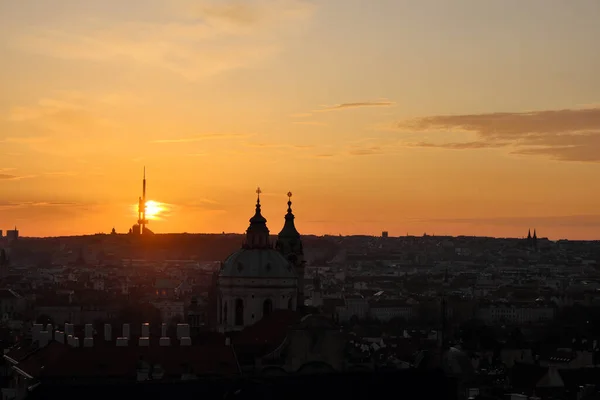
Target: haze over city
[[450, 118]]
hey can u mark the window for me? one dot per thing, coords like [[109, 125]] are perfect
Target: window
[[239, 312], [267, 307]]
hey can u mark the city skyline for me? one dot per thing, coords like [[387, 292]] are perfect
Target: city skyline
[[409, 117]]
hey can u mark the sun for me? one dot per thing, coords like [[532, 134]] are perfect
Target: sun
[[154, 209]]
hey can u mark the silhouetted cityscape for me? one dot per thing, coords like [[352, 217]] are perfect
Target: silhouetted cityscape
[[205, 313]]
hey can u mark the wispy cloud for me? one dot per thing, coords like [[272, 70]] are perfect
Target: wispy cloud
[[26, 204], [324, 155], [68, 113], [361, 104], [10, 177], [459, 145], [567, 135], [366, 151], [312, 123], [280, 146], [200, 138], [198, 38], [60, 173], [25, 139]]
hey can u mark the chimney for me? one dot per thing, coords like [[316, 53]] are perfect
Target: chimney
[[107, 332], [146, 330], [49, 328], [89, 331], [163, 329], [165, 341], [59, 337], [35, 332], [227, 341], [70, 340], [185, 341], [183, 330], [126, 331], [88, 342], [75, 341], [144, 342], [122, 342], [69, 329]]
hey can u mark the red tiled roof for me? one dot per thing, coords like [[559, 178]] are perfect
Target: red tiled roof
[[271, 330], [57, 361]]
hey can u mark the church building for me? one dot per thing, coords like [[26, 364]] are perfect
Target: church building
[[260, 277]]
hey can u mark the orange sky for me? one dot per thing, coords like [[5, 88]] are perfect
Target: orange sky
[[463, 117]]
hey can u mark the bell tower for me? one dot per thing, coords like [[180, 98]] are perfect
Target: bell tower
[[257, 235], [289, 244]]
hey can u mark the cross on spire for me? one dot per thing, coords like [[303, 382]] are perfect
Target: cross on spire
[[258, 192], [289, 195]]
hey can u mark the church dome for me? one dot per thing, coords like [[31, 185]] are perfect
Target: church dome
[[257, 258], [257, 263]]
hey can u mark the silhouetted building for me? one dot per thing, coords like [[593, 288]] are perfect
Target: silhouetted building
[[12, 234], [255, 280], [289, 244]]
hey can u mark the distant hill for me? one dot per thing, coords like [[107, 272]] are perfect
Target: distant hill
[[201, 247]]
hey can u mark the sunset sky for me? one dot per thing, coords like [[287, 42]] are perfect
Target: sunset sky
[[446, 117]]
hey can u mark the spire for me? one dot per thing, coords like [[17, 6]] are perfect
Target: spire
[[529, 234], [142, 221], [534, 235], [289, 230], [257, 235]]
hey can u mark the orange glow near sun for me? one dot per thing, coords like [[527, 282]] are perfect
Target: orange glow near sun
[[154, 209]]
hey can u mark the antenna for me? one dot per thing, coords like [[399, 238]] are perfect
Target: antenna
[[142, 221]]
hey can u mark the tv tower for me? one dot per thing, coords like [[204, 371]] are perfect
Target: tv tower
[[142, 221]]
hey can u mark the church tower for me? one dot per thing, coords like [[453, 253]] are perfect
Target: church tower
[[289, 245]]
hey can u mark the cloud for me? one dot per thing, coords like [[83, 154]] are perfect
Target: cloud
[[28, 204], [10, 177], [67, 122], [366, 151], [60, 173], [459, 145], [280, 146], [25, 139], [198, 38], [567, 135], [200, 138], [69, 113], [324, 155], [345, 106], [312, 123]]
